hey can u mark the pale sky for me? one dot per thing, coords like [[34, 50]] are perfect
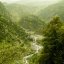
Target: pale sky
[[44, 1]]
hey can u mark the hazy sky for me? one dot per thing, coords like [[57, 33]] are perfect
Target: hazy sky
[[44, 1]]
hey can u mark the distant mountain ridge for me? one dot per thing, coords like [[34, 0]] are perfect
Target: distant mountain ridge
[[25, 16], [50, 11], [18, 9]]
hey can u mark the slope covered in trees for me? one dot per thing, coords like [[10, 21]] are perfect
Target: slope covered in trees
[[52, 10], [9, 28], [32, 23], [13, 39], [25, 14], [53, 51], [17, 47], [17, 10]]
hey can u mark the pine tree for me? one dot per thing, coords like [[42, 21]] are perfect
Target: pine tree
[[53, 43]]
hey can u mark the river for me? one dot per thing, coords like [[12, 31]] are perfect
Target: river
[[34, 46]]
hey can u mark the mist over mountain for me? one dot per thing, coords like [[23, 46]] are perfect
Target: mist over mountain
[[52, 10], [28, 36], [25, 14], [26, 11], [23, 8]]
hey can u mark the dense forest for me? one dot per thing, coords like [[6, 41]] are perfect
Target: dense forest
[[31, 34]]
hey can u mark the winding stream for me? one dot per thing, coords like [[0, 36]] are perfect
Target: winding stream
[[34, 47]]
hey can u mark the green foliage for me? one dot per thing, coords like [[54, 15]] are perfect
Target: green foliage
[[11, 54], [26, 16], [12, 38], [53, 43], [18, 10], [34, 59], [52, 10], [15, 43], [32, 23], [8, 29], [2, 30]]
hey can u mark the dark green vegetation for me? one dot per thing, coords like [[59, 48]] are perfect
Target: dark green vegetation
[[10, 29], [25, 16], [12, 38], [53, 43], [32, 23], [17, 11], [16, 23], [52, 10]]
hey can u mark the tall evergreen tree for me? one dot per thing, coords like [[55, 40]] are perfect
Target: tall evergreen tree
[[53, 43]]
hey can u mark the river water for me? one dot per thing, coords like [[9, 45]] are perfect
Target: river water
[[35, 47]]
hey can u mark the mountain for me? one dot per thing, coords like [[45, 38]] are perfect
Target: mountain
[[18, 9], [8, 29], [31, 23], [20, 13], [52, 10], [4, 18], [13, 39]]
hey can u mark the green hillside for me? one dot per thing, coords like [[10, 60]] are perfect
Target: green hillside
[[18, 10], [20, 13], [52, 10], [29, 34], [9, 28], [32, 23], [13, 39]]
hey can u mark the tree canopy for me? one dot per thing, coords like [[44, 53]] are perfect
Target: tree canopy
[[53, 43]]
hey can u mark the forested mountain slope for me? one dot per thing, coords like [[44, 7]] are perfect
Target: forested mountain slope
[[52, 10], [7, 27], [25, 17], [32, 23], [17, 11], [28, 37], [13, 39]]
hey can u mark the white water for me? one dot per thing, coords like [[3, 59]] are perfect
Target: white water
[[34, 47]]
